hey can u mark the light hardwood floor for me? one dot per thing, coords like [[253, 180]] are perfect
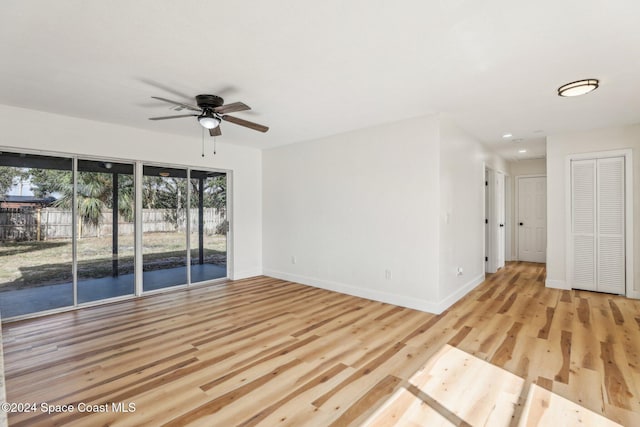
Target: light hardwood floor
[[269, 352]]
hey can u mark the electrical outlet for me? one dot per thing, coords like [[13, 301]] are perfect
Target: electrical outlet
[[293, 259], [387, 274]]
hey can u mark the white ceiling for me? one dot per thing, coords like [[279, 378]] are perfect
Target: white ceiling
[[313, 69]]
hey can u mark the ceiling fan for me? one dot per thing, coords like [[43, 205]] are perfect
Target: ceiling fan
[[210, 112]]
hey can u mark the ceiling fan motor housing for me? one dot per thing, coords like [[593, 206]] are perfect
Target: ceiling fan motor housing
[[209, 102]]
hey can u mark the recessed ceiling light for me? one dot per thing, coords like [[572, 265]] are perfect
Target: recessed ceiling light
[[522, 151], [507, 135], [577, 88]]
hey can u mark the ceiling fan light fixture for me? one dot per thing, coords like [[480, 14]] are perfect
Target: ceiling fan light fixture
[[211, 110], [208, 121], [579, 87]]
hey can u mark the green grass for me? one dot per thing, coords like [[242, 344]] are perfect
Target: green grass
[[31, 264]]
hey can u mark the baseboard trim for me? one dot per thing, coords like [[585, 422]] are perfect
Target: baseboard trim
[[238, 275], [380, 296], [556, 284], [633, 294], [458, 295]]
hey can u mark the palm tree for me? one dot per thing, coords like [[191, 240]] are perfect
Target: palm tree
[[95, 192]]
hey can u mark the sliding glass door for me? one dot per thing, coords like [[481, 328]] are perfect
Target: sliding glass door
[[68, 228], [105, 230], [209, 225], [36, 233], [164, 227]]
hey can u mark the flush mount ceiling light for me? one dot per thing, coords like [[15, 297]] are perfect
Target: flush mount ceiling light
[[577, 88], [208, 120], [522, 151], [164, 174], [507, 135]]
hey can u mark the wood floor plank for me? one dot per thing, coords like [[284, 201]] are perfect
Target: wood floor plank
[[545, 408], [618, 391], [263, 351], [544, 331], [363, 406], [565, 348]]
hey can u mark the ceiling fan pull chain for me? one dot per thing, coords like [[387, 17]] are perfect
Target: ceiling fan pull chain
[[214, 145], [202, 142]]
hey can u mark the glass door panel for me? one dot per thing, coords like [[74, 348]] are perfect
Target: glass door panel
[[36, 226], [208, 225], [164, 227], [105, 218]]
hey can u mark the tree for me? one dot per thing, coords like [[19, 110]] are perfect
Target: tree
[[166, 193], [95, 192], [10, 176], [48, 182], [7, 179], [215, 193]]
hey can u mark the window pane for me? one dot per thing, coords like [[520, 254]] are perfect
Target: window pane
[[35, 233], [105, 218], [164, 238], [208, 239]]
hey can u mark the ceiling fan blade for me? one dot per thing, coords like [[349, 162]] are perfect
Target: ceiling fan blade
[[216, 131], [232, 108], [181, 104], [245, 123], [173, 117]]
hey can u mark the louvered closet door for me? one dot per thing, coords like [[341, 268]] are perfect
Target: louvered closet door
[[583, 206], [610, 226], [597, 224]]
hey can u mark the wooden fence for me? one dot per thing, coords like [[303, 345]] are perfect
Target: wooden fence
[[28, 224]]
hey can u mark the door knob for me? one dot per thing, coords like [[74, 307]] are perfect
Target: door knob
[[501, 225], [521, 223]]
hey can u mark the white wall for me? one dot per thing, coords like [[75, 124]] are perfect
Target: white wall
[[558, 148], [462, 214], [351, 206], [34, 130], [528, 167], [520, 168]]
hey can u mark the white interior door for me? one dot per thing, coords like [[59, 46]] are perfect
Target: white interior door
[[532, 219], [487, 227], [610, 221], [610, 232], [583, 223], [500, 220]]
